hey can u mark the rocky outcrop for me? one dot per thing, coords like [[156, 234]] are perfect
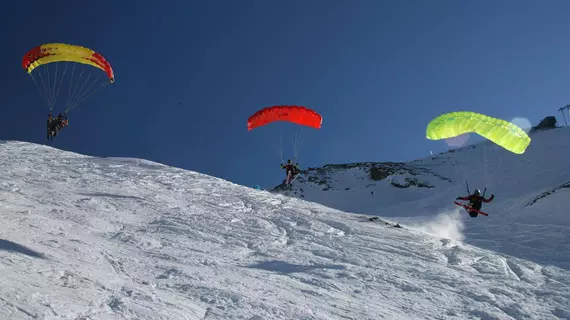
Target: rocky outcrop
[[547, 193], [546, 124], [399, 174]]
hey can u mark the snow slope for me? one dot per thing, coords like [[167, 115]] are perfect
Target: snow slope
[[110, 238], [528, 218]]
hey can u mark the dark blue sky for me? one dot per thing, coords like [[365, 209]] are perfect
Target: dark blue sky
[[378, 71]]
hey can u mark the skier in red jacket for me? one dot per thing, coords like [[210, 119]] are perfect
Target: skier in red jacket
[[475, 202]]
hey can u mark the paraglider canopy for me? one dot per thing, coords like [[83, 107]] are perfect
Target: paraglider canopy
[[296, 114], [501, 132], [56, 52]]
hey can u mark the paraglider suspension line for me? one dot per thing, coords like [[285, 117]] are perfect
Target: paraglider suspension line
[[485, 160], [297, 144], [50, 83], [42, 93], [278, 146], [86, 94], [50, 91]]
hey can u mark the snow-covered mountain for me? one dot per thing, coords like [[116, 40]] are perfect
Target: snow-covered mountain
[[110, 238], [529, 217]]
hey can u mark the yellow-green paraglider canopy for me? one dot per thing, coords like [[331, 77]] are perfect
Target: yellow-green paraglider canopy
[[501, 132]]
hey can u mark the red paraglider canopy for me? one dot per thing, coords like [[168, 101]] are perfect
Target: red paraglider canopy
[[296, 114]]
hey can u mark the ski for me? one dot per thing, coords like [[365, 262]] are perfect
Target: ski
[[470, 209], [289, 180], [294, 178]]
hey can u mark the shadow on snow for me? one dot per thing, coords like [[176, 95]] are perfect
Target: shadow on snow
[[18, 248], [287, 268]]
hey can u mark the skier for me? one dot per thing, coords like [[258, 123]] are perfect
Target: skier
[[54, 125], [475, 202], [289, 170]]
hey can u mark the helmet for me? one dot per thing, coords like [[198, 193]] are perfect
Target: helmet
[[477, 192]]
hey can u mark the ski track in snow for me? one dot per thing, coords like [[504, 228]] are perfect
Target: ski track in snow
[[112, 238]]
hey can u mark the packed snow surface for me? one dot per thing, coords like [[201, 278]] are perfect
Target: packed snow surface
[[114, 238]]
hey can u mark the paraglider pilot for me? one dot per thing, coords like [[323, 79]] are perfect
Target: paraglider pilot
[[290, 170], [475, 202], [54, 125]]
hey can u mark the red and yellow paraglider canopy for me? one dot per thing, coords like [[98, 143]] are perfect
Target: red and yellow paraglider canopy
[[70, 65], [57, 52]]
